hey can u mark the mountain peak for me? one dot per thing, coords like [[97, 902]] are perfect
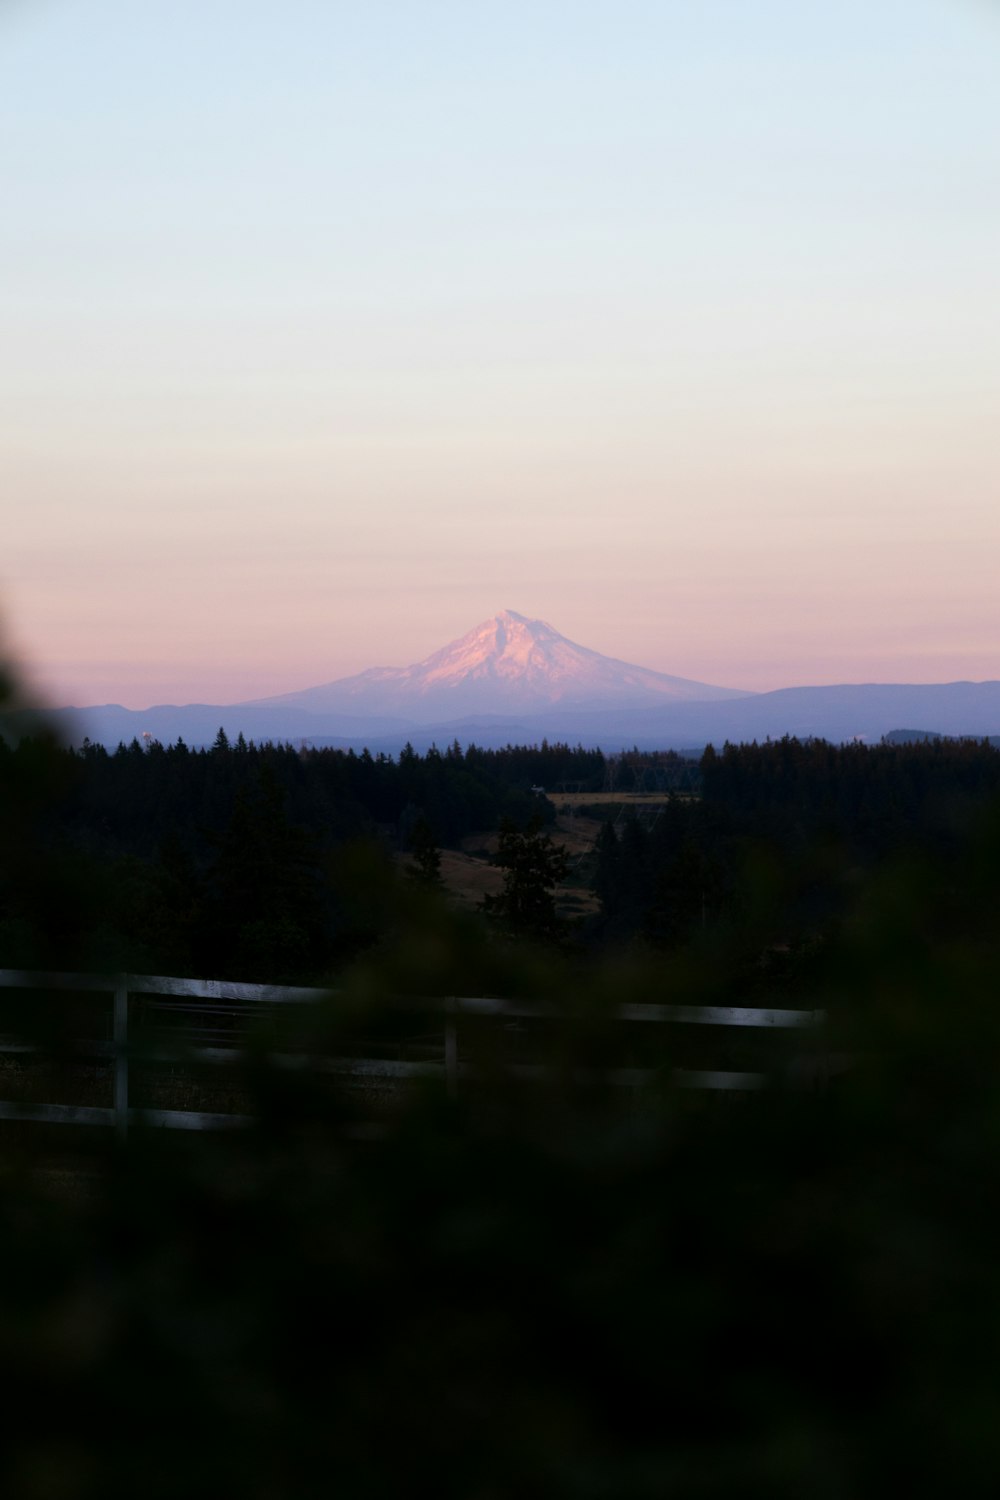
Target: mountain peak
[[506, 664], [511, 618], [511, 641]]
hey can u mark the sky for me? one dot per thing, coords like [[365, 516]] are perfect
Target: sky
[[328, 330]]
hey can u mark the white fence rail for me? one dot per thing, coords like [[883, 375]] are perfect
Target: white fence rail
[[234, 1000]]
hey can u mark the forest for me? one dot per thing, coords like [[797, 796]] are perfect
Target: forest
[[270, 863], [239, 860]]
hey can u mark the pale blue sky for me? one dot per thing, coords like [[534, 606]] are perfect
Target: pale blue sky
[[328, 330]]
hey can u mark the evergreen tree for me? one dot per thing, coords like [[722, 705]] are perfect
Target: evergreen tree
[[423, 846], [533, 866]]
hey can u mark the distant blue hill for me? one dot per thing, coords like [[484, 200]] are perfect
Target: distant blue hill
[[867, 712]]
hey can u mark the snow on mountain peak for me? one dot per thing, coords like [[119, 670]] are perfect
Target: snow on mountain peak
[[507, 646]]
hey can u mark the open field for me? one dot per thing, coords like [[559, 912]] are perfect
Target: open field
[[468, 875]]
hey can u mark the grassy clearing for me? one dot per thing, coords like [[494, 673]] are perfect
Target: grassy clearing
[[468, 875]]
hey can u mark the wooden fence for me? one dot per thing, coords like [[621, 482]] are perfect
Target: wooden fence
[[219, 1013]]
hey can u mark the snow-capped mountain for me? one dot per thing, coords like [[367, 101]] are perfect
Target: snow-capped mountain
[[508, 664]]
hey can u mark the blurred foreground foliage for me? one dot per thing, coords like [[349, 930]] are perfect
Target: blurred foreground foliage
[[555, 1288]]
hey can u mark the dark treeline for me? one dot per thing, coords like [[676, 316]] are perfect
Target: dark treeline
[[137, 796], [241, 859], [785, 835], [881, 798]]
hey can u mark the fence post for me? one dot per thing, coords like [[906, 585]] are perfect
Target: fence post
[[450, 1049], [120, 1037]]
